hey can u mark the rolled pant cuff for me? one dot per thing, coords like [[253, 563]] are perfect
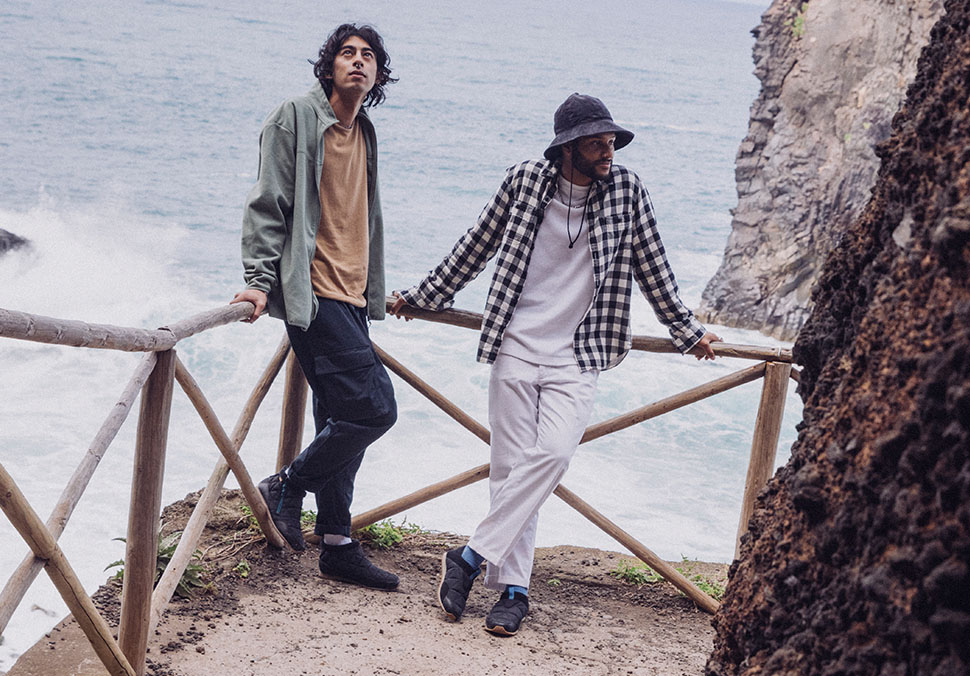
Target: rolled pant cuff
[[322, 530], [293, 481]]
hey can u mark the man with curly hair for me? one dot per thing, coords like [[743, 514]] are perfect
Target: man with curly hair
[[313, 256]]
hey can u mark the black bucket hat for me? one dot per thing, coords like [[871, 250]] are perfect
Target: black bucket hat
[[581, 115]]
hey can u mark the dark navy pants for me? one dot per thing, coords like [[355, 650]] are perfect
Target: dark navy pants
[[353, 405]]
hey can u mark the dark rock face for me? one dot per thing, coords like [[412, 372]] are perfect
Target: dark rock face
[[833, 74], [10, 241], [858, 556]]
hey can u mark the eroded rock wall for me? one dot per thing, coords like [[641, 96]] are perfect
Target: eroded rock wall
[[833, 74], [857, 558]]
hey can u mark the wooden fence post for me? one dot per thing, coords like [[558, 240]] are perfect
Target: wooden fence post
[[294, 412], [764, 445], [144, 510]]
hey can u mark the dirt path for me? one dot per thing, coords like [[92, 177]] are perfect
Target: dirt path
[[284, 618]]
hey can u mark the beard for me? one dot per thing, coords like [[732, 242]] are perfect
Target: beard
[[588, 168]]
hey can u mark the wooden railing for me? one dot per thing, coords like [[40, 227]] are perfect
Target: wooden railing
[[154, 377], [774, 366]]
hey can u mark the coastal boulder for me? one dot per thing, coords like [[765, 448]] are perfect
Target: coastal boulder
[[10, 241]]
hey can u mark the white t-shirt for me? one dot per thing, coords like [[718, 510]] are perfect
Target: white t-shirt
[[558, 289]]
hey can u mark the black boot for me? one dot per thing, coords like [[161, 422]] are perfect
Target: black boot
[[348, 563], [457, 576], [285, 503], [505, 616]]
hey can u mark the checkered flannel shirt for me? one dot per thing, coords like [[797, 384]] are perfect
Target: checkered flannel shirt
[[624, 243]]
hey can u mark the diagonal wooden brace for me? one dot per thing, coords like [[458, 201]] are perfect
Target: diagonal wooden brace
[[434, 396], [43, 545], [231, 455], [28, 570], [665, 570]]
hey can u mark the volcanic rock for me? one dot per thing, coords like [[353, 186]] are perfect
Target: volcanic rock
[[856, 561]]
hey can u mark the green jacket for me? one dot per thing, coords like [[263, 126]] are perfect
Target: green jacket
[[282, 210]]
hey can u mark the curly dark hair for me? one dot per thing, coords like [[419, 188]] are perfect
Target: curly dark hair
[[323, 66]]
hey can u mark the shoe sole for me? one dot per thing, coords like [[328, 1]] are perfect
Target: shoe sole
[[499, 630], [349, 580], [444, 568]]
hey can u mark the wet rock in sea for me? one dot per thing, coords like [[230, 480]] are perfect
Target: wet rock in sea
[[10, 241]]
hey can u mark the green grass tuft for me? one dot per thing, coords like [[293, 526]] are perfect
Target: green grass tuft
[[639, 574], [635, 573], [384, 534], [796, 22]]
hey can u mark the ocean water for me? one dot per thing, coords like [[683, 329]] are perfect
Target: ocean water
[[128, 142]]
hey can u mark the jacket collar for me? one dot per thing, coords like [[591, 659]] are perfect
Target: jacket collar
[[318, 98]]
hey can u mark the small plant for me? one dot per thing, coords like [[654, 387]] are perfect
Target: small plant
[[242, 569], [251, 522], [192, 577], [640, 574], [635, 573], [554, 582], [796, 22], [384, 534], [709, 587], [308, 518], [713, 588]]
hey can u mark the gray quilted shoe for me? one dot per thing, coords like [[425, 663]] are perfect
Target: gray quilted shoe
[[457, 576], [285, 504], [505, 616]]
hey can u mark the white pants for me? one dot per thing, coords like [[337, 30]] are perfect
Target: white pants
[[537, 415]]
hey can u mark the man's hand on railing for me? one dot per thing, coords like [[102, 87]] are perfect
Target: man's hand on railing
[[254, 296], [703, 348], [395, 309]]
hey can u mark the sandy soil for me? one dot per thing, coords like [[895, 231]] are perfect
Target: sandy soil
[[284, 618]]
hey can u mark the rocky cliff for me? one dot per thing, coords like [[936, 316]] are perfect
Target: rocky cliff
[[856, 561], [833, 74]]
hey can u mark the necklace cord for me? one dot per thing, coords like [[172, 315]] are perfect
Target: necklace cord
[[569, 211]]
